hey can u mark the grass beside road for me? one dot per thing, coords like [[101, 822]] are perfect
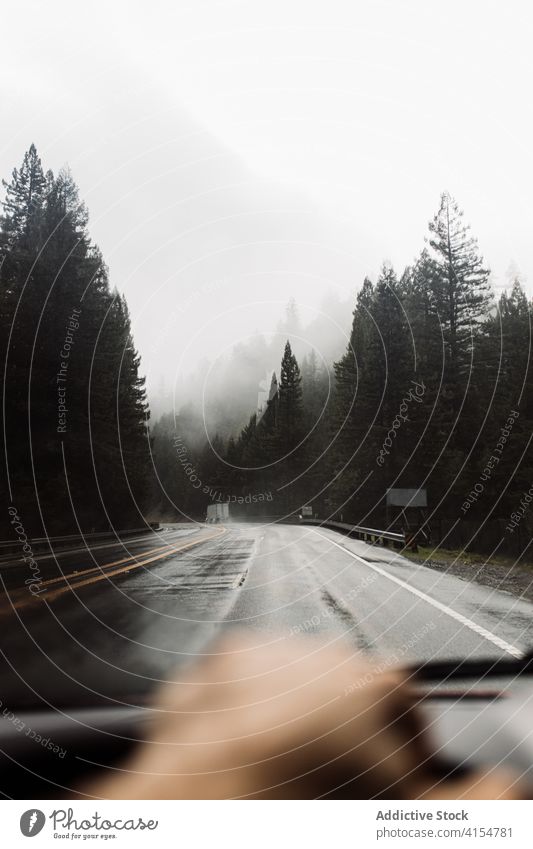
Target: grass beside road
[[499, 572]]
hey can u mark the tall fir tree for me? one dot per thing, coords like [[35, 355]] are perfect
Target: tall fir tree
[[55, 304], [289, 422], [460, 287]]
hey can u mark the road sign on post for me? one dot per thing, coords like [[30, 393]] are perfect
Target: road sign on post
[[405, 508], [407, 498]]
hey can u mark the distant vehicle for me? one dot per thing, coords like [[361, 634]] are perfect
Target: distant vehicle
[[307, 511], [217, 513]]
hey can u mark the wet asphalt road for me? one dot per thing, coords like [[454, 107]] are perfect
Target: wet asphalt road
[[112, 622]]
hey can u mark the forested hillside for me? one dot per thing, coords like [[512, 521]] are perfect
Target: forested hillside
[[434, 391]]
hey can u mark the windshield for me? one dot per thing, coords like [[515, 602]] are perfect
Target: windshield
[[265, 362]]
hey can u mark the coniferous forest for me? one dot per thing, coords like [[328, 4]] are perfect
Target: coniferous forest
[[75, 441], [434, 390]]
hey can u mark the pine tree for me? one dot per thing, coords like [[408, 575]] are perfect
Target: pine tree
[[372, 380], [460, 288], [117, 417], [449, 299], [390, 368], [346, 424], [317, 399], [24, 200], [432, 421], [289, 424], [504, 379]]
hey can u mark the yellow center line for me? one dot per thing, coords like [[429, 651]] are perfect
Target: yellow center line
[[133, 564], [78, 572]]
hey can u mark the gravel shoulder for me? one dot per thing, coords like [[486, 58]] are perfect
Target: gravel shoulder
[[502, 573]]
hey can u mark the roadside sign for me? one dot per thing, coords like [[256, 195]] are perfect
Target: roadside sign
[[407, 498]]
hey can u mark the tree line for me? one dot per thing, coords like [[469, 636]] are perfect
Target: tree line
[[434, 391], [76, 454]]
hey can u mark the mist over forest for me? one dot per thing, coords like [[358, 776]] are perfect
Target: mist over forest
[[224, 391], [422, 379], [266, 452]]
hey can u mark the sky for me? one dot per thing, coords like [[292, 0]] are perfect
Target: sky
[[235, 154]]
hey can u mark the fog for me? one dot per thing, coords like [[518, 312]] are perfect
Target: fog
[[234, 156], [223, 391]]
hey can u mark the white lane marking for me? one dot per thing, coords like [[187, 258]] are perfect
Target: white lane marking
[[478, 629]]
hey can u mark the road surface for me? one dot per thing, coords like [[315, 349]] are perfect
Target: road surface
[[113, 620]]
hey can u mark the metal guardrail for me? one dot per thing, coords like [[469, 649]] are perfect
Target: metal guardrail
[[371, 535], [10, 547]]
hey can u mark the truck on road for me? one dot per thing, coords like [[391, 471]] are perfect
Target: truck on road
[[217, 513]]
